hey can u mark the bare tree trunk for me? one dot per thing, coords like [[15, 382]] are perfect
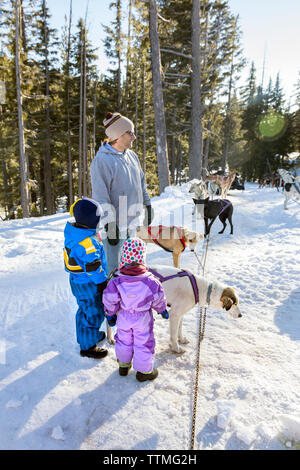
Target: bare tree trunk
[[159, 112], [173, 157], [70, 171], [84, 127], [136, 111], [6, 186], [90, 154], [119, 53], [23, 159], [195, 154], [80, 124], [206, 149], [179, 164], [144, 122], [128, 56], [227, 123], [228, 107], [174, 142], [47, 157], [94, 121]]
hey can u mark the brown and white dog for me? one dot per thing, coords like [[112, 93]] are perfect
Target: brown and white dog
[[224, 181], [173, 239], [181, 299], [199, 189]]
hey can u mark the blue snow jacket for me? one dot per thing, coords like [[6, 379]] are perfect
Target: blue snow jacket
[[84, 255]]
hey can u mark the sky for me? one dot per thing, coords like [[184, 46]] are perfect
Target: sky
[[270, 29]]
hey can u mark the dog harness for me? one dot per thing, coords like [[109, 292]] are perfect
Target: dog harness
[[227, 204], [160, 227], [180, 274]]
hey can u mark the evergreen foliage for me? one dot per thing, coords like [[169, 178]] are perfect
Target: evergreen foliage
[[64, 100]]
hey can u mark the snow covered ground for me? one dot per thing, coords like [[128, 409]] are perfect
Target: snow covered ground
[[249, 381]]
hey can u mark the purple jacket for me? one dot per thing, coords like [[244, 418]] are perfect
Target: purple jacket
[[134, 294]]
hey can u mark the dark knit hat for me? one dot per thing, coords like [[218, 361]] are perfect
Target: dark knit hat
[[87, 212]]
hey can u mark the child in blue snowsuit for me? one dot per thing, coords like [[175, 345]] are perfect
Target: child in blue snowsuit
[[85, 261]]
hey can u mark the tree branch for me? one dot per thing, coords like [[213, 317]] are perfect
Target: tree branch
[[177, 53]]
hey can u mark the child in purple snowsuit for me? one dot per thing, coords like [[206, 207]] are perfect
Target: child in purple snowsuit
[[128, 301]]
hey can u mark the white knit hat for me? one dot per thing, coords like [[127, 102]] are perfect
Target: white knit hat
[[116, 125]]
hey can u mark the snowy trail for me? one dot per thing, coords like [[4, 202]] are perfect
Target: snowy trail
[[51, 398]]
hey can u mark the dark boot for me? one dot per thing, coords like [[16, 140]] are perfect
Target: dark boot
[[124, 371], [142, 377], [124, 368], [94, 352]]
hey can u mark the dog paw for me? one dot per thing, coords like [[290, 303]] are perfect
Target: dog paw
[[177, 349], [183, 340]]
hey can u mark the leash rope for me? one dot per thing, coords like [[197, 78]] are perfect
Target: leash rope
[[295, 200], [202, 323]]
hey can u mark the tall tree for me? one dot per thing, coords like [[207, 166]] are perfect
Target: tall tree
[[195, 155], [23, 156], [128, 56], [113, 44], [85, 72], [159, 112], [68, 92]]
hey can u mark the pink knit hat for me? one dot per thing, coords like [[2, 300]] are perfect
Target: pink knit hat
[[133, 251]]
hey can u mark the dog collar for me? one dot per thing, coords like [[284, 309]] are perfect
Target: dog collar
[[208, 294]]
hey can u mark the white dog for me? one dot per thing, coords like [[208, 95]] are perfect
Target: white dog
[[291, 188], [181, 298], [200, 192]]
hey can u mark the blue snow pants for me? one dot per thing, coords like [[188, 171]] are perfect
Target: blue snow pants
[[90, 314]]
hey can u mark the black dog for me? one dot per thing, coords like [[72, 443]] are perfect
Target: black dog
[[212, 209]]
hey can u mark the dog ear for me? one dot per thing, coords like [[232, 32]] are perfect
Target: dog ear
[[227, 302], [228, 298], [198, 201]]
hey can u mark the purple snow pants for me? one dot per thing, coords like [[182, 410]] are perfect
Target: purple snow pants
[[135, 339]]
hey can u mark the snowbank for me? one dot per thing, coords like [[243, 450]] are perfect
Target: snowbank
[[249, 368]]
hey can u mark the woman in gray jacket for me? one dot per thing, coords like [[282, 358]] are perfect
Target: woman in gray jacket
[[118, 184]]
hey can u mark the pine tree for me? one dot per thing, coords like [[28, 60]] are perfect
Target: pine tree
[[296, 118], [236, 64], [114, 44], [84, 84], [45, 44]]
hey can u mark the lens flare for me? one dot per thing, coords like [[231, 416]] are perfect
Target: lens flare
[[271, 125]]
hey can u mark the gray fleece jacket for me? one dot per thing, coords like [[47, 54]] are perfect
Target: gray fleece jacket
[[118, 184]]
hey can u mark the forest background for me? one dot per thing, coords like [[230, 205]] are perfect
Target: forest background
[[175, 73]]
